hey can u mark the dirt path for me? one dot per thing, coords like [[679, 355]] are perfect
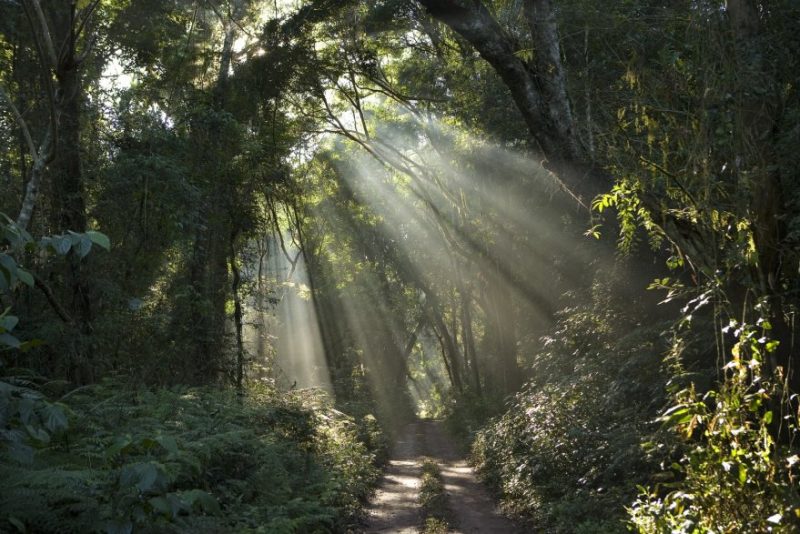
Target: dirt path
[[395, 508]]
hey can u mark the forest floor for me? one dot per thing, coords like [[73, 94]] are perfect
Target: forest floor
[[395, 507]]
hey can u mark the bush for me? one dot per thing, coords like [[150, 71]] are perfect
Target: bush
[[184, 459], [566, 453], [732, 475]]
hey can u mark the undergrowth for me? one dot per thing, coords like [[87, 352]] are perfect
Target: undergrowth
[[185, 460], [432, 499], [566, 454]]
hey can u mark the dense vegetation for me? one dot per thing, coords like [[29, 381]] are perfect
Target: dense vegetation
[[243, 241]]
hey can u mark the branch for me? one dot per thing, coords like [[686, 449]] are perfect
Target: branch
[[51, 299], [52, 143], [48, 40], [87, 13], [22, 124]]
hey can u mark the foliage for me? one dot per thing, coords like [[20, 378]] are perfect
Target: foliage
[[188, 460], [566, 452], [733, 474], [433, 499]]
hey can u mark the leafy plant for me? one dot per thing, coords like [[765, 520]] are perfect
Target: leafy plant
[[733, 475]]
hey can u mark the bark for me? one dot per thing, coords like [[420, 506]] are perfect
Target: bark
[[208, 269], [759, 104], [470, 354], [547, 63], [67, 185], [237, 317], [449, 348], [537, 87]]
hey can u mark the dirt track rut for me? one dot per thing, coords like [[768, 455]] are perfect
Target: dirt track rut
[[394, 508]]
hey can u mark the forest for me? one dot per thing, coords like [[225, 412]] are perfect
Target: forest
[[257, 257]]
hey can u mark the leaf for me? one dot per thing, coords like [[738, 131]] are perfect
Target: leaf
[[119, 526], [161, 505], [25, 346], [61, 244], [677, 415], [143, 476], [10, 341], [20, 452], [170, 505], [25, 410], [206, 502], [8, 269], [54, 418], [742, 474], [8, 322], [100, 239], [775, 519], [84, 246], [19, 525], [169, 444], [25, 277]]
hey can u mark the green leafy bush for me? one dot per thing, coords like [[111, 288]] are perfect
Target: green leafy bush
[[188, 460], [732, 475], [566, 453]]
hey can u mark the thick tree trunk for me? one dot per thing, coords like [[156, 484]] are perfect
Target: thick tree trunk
[[237, 316], [538, 88], [758, 101], [67, 185], [208, 268]]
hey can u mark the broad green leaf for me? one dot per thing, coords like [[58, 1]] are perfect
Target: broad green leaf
[[20, 452], [144, 476], [25, 409], [206, 502], [169, 444], [161, 505], [84, 246], [8, 322], [62, 244], [8, 269], [25, 277], [119, 526], [100, 239], [10, 341]]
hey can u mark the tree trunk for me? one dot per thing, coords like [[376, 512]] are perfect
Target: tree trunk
[[759, 102]]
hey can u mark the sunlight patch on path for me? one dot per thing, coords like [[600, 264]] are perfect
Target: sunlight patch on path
[[395, 507]]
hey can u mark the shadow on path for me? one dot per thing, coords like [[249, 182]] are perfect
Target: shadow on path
[[395, 508]]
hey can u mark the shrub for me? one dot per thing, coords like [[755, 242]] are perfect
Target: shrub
[[190, 460]]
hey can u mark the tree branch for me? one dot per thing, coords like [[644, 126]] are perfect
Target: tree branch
[[45, 31], [51, 299], [22, 124]]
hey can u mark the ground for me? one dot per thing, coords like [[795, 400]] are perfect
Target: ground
[[395, 507]]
